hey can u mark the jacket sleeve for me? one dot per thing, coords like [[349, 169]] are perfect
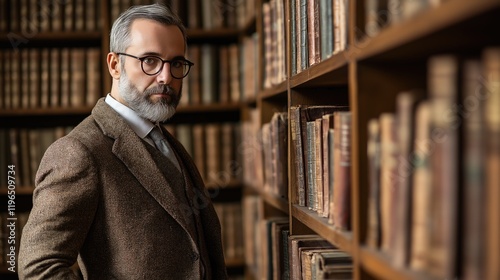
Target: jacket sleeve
[[64, 204]]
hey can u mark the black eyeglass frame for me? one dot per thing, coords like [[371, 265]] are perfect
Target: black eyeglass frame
[[141, 59]]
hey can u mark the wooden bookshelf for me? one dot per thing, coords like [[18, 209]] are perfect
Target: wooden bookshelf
[[368, 75]]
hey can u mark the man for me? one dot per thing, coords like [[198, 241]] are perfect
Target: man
[[110, 194]]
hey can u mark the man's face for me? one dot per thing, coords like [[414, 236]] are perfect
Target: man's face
[[152, 97]]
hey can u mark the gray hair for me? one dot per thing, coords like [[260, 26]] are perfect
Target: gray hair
[[119, 39]]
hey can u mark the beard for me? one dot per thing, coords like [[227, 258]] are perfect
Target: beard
[[144, 106]]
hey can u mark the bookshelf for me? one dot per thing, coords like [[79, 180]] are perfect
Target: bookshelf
[[57, 26], [368, 74]]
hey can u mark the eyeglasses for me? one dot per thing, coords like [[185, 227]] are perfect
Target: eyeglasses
[[152, 65]]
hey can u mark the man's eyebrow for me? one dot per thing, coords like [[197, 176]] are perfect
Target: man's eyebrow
[[159, 55]]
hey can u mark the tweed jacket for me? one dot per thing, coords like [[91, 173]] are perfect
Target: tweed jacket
[[105, 198]]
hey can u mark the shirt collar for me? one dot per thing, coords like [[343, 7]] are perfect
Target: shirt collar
[[139, 125]]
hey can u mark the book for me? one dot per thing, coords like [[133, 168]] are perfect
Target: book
[[342, 178], [300, 242], [373, 157]]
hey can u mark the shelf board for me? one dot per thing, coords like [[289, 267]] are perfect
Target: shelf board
[[331, 71], [235, 262], [271, 199], [45, 111], [218, 107], [275, 91], [200, 35], [433, 20], [379, 265], [50, 39], [342, 239], [232, 184]]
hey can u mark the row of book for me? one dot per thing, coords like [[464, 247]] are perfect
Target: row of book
[[26, 18], [273, 21], [217, 75], [434, 171], [318, 29], [272, 253], [198, 14], [379, 14], [50, 78], [24, 148], [214, 148], [230, 217], [321, 144]]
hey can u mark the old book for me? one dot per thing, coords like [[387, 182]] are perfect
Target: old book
[[77, 76], [473, 174], [183, 133], [213, 151], [55, 77], [65, 77], [332, 155], [279, 151], [93, 74], [267, 243], [326, 125], [326, 28], [79, 14], [35, 76], [313, 31], [297, 36], [194, 77], [406, 103], [69, 15], [342, 177], [278, 248], [373, 157], [199, 149], [209, 71], [310, 173], [45, 78], [228, 146], [387, 180], [298, 242], [23, 94], [25, 180], [491, 60], [293, 36], [91, 9], [251, 216], [6, 79], [234, 73], [443, 93], [224, 93], [269, 172], [298, 185], [303, 31], [331, 264], [307, 113], [267, 48], [318, 166], [15, 80], [194, 14]]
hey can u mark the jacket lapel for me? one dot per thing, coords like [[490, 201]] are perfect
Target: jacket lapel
[[131, 150]]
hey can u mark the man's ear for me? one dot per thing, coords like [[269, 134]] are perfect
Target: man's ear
[[114, 67]]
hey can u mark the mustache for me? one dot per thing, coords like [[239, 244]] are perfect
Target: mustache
[[165, 89]]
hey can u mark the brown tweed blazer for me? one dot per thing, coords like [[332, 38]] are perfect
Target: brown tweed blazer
[[103, 197]]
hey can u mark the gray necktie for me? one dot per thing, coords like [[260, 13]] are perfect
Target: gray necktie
[[163, 146]]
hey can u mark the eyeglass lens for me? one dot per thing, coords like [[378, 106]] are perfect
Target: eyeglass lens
[[152, 65]]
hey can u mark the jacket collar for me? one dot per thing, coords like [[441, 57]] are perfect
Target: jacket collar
[[131, 150]]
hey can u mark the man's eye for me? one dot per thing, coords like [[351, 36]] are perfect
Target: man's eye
[[150, 60], [177, 63]]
